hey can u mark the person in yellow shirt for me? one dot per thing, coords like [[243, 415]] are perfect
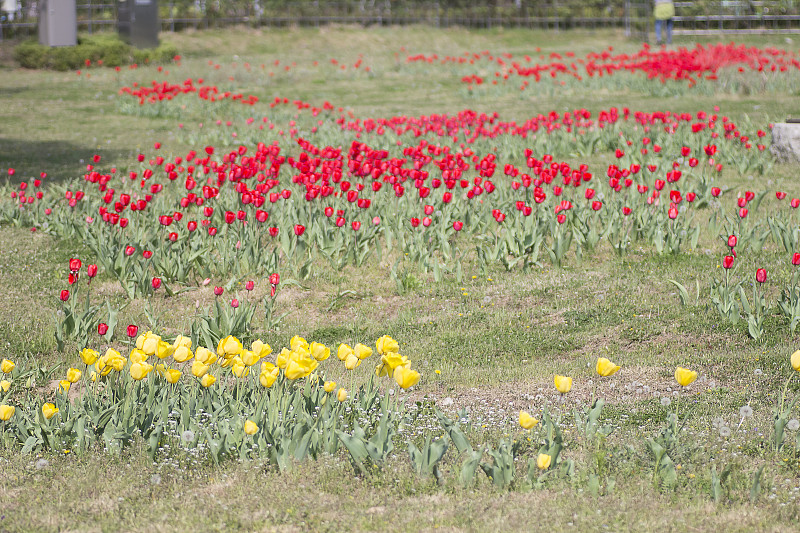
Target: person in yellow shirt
[[664, 13]]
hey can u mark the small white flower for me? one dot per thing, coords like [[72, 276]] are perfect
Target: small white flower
[[745, 411], [793, 425], [724, 431], [665, 401], [188, 436]]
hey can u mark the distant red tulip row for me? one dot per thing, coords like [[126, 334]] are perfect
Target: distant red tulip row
[[662, 64]]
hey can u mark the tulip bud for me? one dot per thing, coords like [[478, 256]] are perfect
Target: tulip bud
[[156, 282], [761, 275], [102, 328], [132, 330], [64, 295]]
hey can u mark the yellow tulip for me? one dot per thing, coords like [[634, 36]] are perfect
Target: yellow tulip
[[204, 355], [117, 363], [140, 340], [139, 371], [606, 368], [150, 343], [282, 359], [295, 370], [73, 375], [393, 360], [298, 342], [102, 366], [526, 420], [405, 377], [362, 351], [229, 346], [160, 369], [89, 356], [93, 376], [199, 369], [796, 360], [7, 366], [319, 351], [329, 386], [6, 412], [250, 427], [172, 375], [227, 362], [341, 395], [352, 362], [240, 370], [563, 384], [49, 410], [208, 380], [182, 354], [261, 349], [180, 340], [267, 379], [164, 350], [266, 366], [684, 376], [343, 351], [249, 357], [137, 356], [386, 344], [382, 370], [5, 385], [543, 461], [63, 386]]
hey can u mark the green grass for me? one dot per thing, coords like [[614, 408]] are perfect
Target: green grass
[[496, 339]]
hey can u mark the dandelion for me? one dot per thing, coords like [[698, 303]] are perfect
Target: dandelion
[[665, 401], [793, 424], [745, 411], [187, 436], [42, 463], [724, 432]]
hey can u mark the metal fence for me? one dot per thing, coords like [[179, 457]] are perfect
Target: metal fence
[[692, 18]]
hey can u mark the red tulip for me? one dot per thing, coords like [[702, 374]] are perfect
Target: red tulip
[[274, 279], [235, 303], [356, 225], [589, 194], [132, 330], [561, 219], [743, 212], [273, 232], [91, 271], [129, 250], [458, 225], [218, 291], [74, 265], [426, 221], [299, 229], [690, 197], [596, 205], [685, 151], [261, 215], [414, 222], [230, 217], [796, 259], [212, 231], [672, 213], [156, 282], [761, 275], [780, 195], [64, 295], [191, 225], [72, 278], [795, 203], [715, 191], [727, 261], [626, 210], [741, 202], [428, 210], [102, 328], [732, 241], [249, 285]]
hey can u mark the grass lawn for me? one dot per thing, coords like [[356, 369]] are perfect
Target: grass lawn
[[487, 345]]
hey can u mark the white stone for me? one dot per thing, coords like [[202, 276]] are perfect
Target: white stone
[[786, 141]]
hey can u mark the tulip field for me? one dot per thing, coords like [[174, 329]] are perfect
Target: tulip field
[[402, 279]]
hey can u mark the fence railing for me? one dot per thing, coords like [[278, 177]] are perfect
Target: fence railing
[[692, 18]]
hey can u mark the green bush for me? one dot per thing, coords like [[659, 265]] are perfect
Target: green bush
[[108, 48]]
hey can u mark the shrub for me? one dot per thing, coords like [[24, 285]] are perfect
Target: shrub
[[108, 48]]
